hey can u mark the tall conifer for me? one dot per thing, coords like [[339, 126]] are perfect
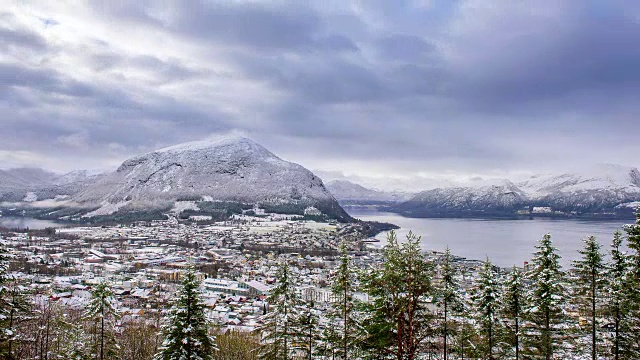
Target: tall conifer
[[186, 330]]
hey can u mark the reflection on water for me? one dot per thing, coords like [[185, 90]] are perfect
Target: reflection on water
[[505, 242], [25, 222]]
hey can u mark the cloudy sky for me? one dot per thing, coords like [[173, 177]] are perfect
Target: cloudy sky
[[419, 90]]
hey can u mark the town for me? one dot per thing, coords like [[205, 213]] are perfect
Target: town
[[143, 262]]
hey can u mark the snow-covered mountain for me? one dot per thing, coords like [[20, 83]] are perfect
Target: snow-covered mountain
[[488, 199], [348, 192], [598, 191], [233, 169], [587, 190], [33, 184], [16, 184]]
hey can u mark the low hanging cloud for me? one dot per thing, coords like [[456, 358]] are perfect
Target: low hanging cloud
[[364, 87]]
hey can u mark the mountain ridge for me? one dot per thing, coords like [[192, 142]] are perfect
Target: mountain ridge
[[230, 170], [609, 191]]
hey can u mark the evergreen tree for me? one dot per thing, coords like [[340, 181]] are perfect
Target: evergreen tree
[[342, 313], [588, 285], [103, 314], [465, 340], [547, 299], [512, 311], [308, 323], [616, 275], [280, 327], [631, 336], [6, 331], [76, 339], [186, 330], [486, 306], [397, 320], [20, 310], [450, 300], [14, 307]]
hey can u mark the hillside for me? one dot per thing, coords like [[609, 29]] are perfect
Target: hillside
[[603, 191]]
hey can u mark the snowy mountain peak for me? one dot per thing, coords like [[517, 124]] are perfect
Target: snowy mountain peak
[[600, 190], [221, 143], [598, 177], [232, 169]]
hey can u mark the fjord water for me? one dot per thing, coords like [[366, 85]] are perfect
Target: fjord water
[[505, 242]]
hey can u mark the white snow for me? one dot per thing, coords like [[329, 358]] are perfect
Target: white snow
[[227, 169], [106, 209], [30, 197], [180, 206]]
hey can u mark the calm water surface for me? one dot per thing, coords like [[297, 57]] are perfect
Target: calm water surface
[[25, 222], [505, 242]]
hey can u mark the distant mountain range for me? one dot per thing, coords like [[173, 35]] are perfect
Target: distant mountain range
[[203, 177], [349, 193], [604, 191], [32, 184], [234, 174]]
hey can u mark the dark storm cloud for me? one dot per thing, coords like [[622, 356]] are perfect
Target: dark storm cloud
[[468, 84]]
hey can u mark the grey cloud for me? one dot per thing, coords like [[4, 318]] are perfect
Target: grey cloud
[[562, 62], [407, 48], [21, 39], [389, 82], [43, 79]]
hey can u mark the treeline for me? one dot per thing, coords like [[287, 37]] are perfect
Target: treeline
[[407, 306], [414, 307]]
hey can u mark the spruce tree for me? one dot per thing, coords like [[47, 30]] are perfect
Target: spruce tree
[[14, 307], [342, 312], [486, 307], [6, 331], [280, 327], [512, 309], [186, 329], [547, 300], [397, 320], [632, 303], [588, 285], [450, 300], [308, 323], [616, 275], [103, 314], [74, 340]]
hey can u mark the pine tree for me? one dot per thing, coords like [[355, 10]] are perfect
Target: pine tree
[[398, 321], [588, 285], [486, 307], [14, 307], [450, 300], [632, 303], [279, 329], [308, 336], [103, 314], [342, 335], [616, 275], [512, 310], [547, 298], [186, 330], [76, 340], [6, 331]]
